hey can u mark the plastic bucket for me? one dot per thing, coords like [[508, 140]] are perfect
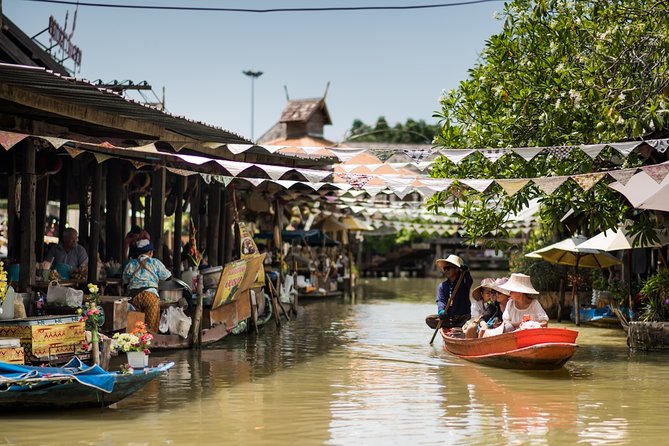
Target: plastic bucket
[[63, 270]]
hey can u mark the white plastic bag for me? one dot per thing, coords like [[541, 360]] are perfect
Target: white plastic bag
[[62, 295], [163, 326], [178, 322]]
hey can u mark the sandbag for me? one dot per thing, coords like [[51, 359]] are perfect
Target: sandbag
[[62, 295]]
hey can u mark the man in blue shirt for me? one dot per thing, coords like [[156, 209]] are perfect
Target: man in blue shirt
[[458, 312], [68, 251]]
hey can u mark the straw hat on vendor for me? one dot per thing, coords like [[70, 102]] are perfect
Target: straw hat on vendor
[[487, 283]]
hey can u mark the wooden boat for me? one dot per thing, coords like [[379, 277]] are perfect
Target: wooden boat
[[531, 349], [73, 386]]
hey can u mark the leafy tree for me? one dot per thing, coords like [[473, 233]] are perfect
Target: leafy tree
[[411, 132], [559, 73]]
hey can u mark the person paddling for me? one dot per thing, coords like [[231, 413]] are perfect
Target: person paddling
[[458, 312]]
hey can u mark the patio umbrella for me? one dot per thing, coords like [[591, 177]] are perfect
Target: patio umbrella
[[619, 239], [568, 252]]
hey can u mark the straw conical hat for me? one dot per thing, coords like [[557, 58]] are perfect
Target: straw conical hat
[[452, 259], [485, 283]]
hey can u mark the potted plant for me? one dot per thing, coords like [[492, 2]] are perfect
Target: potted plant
[[135, 345], [651, 332]]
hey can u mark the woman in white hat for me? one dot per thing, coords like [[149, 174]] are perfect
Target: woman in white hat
[[482, 308], [523, 306], [494, 325]]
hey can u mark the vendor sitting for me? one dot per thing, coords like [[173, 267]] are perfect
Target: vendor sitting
[[68, 251], [142, 276]]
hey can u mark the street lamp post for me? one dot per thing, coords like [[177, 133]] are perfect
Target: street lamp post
[[253, 75]]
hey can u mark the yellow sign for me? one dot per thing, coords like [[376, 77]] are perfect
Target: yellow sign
[[228, 286]]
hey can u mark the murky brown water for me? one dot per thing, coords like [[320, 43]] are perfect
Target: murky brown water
[[364, 373]]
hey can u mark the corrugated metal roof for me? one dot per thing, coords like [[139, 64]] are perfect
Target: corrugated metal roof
[[114, 109]]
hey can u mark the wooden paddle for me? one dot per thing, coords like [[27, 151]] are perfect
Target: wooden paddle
[[448, 304]]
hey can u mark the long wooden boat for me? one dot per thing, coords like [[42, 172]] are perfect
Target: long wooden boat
[[72, 386], [531, 349]]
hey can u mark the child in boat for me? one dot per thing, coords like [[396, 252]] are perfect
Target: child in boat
[[494, 325], [523, 305], [482, 309]]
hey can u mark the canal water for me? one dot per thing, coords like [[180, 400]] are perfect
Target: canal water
[[363, 373]]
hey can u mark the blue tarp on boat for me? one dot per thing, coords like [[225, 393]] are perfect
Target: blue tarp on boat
[[91, 376]]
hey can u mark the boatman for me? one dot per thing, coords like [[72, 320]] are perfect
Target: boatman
[[458, 312]]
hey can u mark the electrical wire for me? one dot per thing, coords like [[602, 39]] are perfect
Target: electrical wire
[[270, 10]]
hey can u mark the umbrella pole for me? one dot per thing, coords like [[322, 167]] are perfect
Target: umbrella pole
[[574, 294]]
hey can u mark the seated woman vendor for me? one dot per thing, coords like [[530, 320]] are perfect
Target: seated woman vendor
[[523, 306], [141, 276]]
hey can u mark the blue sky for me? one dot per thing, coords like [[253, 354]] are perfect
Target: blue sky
[[379, 63]]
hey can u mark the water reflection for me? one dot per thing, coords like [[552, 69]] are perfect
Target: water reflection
[[364, 373]]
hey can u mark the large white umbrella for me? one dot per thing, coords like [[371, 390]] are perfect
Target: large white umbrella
[[569, 252], [643, 192], [619, 239]]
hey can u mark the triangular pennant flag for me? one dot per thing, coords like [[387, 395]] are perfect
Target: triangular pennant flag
[[182, 172], [456, 155], [559, 152], [138, 164], [622, 176], [101, 157], [314, 175], [150, 148], [512, 186], [657, 171], [10, 139], [660, 145], [592, 150], [255, 181], [356, 181], [57, 143], [286, 184], [274, 172], [192, 159], [373, 190], [206, 177], [212, 145], [625, 148], [477, 185], [527, 153], [73, 152], [227, 180], [549, 184], [493, 154], [234, 167], [588, 180], [239, 148]]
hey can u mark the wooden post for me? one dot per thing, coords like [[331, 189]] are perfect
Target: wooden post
[[65, 179], [228, 224], [203, 220], [113, 224], [13, 222], [28, 187], [134, 207], [41, 201], [178, 218], [197, 321], [147, 213], [83, 203], [561, 299], [213, 225], [222, 230], [158, 210], [94, 245], [124, 223]]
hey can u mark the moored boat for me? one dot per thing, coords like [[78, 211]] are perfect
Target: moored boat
[[73, 386], [531, 349]]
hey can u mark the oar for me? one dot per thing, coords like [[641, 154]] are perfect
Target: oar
[[448, 305]]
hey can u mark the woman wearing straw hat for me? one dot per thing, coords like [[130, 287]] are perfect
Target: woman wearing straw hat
[[523, 306], [452, 312], [494, 325]]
